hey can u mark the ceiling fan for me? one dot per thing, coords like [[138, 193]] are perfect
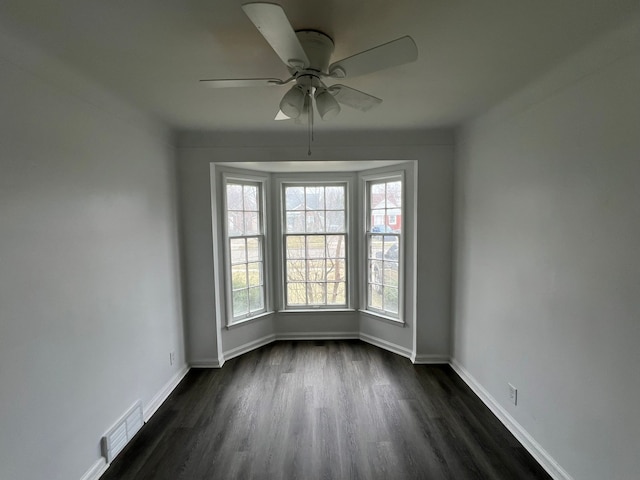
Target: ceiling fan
[[306, 54]]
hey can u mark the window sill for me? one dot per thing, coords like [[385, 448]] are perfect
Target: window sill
[[244, 321], [383, 318], [317, 310]]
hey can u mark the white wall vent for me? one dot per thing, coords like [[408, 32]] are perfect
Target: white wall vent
[[119, 435]]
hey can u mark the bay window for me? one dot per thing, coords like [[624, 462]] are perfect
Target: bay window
[[317, 241]]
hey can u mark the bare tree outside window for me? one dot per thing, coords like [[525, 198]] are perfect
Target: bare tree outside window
[[315, 245]]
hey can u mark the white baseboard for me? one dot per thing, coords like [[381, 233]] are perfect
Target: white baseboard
[[150, 408], [552, 467], [206, 363], [96, 470], [385, 345], [247, 347], [260, 342], [431, 359], [317, 336]]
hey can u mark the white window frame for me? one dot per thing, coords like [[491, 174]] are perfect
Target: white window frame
[[367, 179], [349, 180], [241, 177], [356, 253]]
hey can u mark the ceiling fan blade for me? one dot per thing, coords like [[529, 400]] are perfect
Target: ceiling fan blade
[[274, 26], [354, 98], [397, 52], [242, 82]]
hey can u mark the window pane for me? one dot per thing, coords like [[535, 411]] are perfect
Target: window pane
[[296, 294], [251, 223], [239, 276], [251, 198], [377, 219], [316, 270], [390, 274], [375, 246], [334, 198], [296, 271], [336, 293], [390, 247], [240, 303], [234, 197], [295, 222], [335, 221], [394, 194], [315, 222], [294, 198], [390, 299], [256, 299], [315, 246], [235, 223], [375, 272], [335, 246], [315, 198], [316, 293], [254, 250], [237, 250], [255, 274], [336, 270], [295, 247], [375, 297], [377, 199], [393, 220]]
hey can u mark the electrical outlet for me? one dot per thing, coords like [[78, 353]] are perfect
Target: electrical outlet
[[172, 358], [513, 394]]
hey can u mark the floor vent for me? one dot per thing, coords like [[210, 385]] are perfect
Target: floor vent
[[119, 435]]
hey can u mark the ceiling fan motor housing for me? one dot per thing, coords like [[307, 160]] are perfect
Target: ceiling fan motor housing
[[318, 47]]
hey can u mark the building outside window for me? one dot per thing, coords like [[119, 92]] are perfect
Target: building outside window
[[384, 246]]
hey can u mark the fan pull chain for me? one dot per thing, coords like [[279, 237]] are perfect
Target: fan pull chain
[[313, 117], [310, 122]]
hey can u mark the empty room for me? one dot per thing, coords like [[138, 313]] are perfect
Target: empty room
[[319, 240]]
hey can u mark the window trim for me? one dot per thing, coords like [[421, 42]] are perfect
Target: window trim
[[366, 179], [349, 180], [356, 263], [262, 182]]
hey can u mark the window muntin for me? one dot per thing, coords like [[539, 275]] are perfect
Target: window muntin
[[315, 245], [383, 245], [246, 248]]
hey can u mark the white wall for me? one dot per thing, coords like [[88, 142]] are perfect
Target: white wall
[[208, 339], [547, 277], [89, 273]]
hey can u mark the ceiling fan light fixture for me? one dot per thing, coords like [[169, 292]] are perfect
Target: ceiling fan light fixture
[[293, 102], [327, 106]]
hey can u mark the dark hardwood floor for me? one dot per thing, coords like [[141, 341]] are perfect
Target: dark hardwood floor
[[323, 410]]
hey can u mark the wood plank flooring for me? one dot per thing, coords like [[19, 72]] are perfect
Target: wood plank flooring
[[323, 410]]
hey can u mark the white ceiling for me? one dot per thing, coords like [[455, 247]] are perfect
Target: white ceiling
[[153, 52]]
